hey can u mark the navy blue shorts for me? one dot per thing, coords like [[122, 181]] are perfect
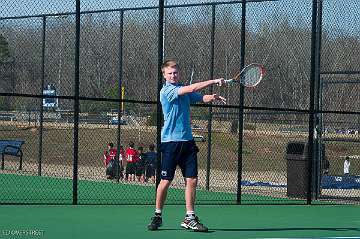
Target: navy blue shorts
[[182, 153]]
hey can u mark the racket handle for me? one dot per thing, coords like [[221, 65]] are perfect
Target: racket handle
[[228, 81]]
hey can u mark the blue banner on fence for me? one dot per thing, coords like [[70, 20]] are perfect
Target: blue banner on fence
[[340, 182], [327, 182], [263, 184]]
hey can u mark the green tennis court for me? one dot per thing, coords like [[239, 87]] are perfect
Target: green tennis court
[[130, 221], [224, 222], [29, 189]]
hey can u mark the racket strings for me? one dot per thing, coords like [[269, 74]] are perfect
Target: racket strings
[[251, 77]]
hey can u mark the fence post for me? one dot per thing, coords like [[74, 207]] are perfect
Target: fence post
[[208, 162], [312, 99], [41, 99], [159, 112], [119, 114], [241, 103], [76, 104]]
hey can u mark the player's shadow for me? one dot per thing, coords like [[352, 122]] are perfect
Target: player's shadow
[[184, 230], [287, 229], [211, 230]]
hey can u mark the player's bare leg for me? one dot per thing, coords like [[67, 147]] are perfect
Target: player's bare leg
[[191, 221], [161, 194]]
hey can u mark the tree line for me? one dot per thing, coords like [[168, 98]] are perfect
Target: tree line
[[283, 47]]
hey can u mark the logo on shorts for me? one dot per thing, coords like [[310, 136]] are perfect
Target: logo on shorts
[[164, 173]]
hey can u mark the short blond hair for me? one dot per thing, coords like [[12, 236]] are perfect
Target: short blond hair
[[169, 63]]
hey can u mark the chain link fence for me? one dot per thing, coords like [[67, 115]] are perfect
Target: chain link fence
[[283, 142]]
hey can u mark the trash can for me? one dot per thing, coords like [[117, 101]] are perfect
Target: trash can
[[297, 169]]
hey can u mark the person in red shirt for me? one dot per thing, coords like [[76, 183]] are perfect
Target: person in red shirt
[[132, 157], [109, 160]]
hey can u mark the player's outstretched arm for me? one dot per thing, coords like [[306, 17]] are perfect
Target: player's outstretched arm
[[199, 86]]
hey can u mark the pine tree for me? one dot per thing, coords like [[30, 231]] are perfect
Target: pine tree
[[4, 49]]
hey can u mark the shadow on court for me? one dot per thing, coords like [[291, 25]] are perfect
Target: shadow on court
[[287, 229], [184, 230]]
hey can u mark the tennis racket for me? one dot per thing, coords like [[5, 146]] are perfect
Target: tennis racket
[[250, 76]]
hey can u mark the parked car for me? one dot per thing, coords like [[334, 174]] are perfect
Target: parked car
[[199, 138], [114, 120], [197, 127], [347, 131]]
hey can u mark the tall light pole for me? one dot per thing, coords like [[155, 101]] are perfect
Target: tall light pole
[[59, 73]]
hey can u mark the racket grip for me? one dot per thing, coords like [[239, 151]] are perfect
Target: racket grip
[[228, 81]]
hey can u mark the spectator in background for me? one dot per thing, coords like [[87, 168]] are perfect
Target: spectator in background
[[326, 166], [150, 163], [109, 160], [122, 161], [347, 166], [132, 157], [140, 166]]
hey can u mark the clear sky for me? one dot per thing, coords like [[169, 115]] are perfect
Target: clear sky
[[340, 17]]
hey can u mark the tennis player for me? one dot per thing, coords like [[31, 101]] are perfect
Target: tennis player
[[177, 143]]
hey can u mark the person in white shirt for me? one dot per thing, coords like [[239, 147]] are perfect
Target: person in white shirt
[[347, 166]]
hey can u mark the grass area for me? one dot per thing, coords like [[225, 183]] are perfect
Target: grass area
[[263, 148]]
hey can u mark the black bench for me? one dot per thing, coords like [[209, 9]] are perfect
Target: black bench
[[12, 148]]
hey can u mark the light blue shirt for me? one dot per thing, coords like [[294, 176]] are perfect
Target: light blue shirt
[[176, 110]]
